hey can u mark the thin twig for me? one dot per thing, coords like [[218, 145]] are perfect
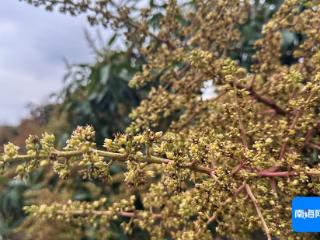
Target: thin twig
[[256, 205], [241, 127], [55, 154], [274, 186], [266, 173], [122, 157], [229, 200], [106, 212]]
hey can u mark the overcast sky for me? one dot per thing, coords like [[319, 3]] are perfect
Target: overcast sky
[[33, 44]]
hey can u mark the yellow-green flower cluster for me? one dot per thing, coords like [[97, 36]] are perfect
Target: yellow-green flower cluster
[[10, 151], [234, 161]]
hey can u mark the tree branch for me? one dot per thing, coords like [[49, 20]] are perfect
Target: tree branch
[[229, 200], [101, 213], [256, 205], [262, 99], [113, 155]]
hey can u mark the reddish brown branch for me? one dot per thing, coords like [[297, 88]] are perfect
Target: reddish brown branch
[[266, 101], [315, 146], [235, 194], [276, 174], [266, 173], [237, 168], [256, 205], [274, 186]]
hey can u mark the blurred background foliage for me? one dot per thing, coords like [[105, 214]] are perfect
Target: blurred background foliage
[[98, 94]]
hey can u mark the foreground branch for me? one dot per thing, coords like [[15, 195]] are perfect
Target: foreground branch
[[255, 203], [55, 154], [124, 214]]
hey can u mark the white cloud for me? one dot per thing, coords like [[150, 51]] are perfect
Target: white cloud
[[33, 44], [7, 28]]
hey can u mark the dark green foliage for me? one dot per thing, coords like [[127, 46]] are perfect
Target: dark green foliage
[[260, 13], [99, 94]]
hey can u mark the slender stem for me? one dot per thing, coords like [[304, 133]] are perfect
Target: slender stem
[[227, 201], [241, 126], [117, 156], [266, 101], [276, 174], [156, 160], [109, 154], [274, 186], [237, 168], [101, 213], [53, 154], [266, 173], [297, 115], [242, 133], [256, 205], [315, 146]]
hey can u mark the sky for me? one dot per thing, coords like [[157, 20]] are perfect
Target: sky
[[33, 46]]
